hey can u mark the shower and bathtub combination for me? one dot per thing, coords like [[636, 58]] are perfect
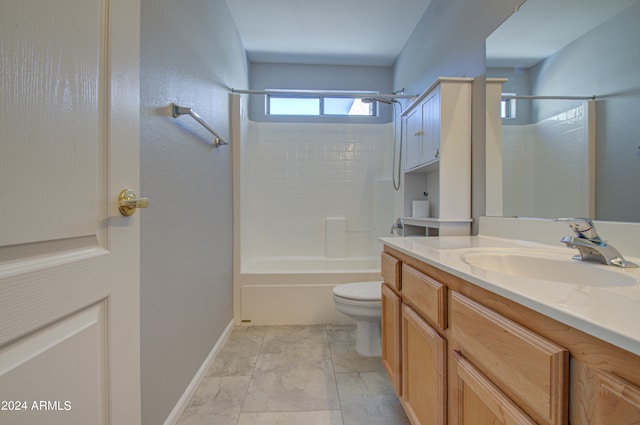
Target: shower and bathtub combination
[[311, 200]]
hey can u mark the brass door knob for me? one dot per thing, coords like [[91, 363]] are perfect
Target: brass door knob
[[128, 202]]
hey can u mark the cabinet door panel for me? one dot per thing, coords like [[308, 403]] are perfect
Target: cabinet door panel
[[413, 140], [391, 269], [431, 128], [426, 295], [481, 402], [618, 401], [533, 370], [391, 330], [423, 371]]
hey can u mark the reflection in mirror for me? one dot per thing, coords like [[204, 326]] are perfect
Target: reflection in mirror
[[565, 156]]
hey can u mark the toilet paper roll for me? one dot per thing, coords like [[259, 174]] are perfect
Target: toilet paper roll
[[420, 209]]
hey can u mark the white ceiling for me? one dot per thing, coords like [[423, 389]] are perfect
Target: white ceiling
[[542, 27], [337, 32]]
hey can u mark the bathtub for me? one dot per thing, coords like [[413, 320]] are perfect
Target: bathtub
[[297, 290]]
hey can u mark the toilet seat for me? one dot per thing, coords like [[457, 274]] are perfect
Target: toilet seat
[[359, 291]]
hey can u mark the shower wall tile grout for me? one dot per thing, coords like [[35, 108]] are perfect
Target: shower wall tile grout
[[296, 175]]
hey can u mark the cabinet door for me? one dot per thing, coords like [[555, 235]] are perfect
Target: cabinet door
[[426, 296], [391, 329], [618, 401], [431, 128], [391, 271], [531, 369], [413, 139], [602, 398], [423, 371], [480, 401]]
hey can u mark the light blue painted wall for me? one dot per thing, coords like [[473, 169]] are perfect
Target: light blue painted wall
[[449, 41], [191, 54], [318, 77]]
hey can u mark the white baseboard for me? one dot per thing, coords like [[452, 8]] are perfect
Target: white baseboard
[[184, 400]]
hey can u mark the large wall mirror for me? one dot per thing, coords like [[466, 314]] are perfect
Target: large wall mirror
[[563, 111]]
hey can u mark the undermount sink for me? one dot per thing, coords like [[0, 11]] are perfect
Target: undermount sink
[[550, 267]]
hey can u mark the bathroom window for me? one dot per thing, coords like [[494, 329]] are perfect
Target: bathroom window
[[282, 105], [508, 107], [319, 105]]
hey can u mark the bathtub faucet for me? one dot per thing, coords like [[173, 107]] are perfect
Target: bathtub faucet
[[587, 241], [398, 227]]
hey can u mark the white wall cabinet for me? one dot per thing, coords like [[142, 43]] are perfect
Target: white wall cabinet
[[423, 132], [413, 139], [437, 160]]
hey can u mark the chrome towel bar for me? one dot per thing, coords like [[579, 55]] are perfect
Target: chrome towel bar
[[176, 111]]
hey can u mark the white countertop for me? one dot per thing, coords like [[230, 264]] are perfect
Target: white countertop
[[611, 313]]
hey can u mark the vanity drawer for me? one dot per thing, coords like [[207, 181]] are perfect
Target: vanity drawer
[[391, 271], [533, 370], [426, 295]]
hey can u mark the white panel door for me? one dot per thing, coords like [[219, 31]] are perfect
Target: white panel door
[[69, 262]]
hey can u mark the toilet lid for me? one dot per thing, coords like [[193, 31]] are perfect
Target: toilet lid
[[363, 291]]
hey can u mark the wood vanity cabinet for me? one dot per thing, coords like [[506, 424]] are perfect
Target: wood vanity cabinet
[[391, 269], [599, 396], [482, 402], [424, 349], [459, 354], [533, 370], [424, 364], [417, 366], [618, 401], [391, 331], [391, 320]]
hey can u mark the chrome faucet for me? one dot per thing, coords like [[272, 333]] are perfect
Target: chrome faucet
[[398, 227], [587, 241]]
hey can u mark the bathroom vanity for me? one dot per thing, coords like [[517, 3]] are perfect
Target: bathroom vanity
[[472, 336]]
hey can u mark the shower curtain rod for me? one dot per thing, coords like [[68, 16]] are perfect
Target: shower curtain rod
[[507, 97], [358, 95]]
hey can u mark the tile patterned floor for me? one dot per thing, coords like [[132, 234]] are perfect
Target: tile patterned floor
[[294, 375]]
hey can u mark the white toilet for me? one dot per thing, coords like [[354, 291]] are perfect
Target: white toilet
[[362, 301]]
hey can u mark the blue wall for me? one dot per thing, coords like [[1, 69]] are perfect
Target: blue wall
[[190, 54], [449, 41]]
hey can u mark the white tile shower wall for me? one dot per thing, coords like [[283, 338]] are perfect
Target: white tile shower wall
[[296, 175], [561, 165], [544, 163], [517, 171]]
